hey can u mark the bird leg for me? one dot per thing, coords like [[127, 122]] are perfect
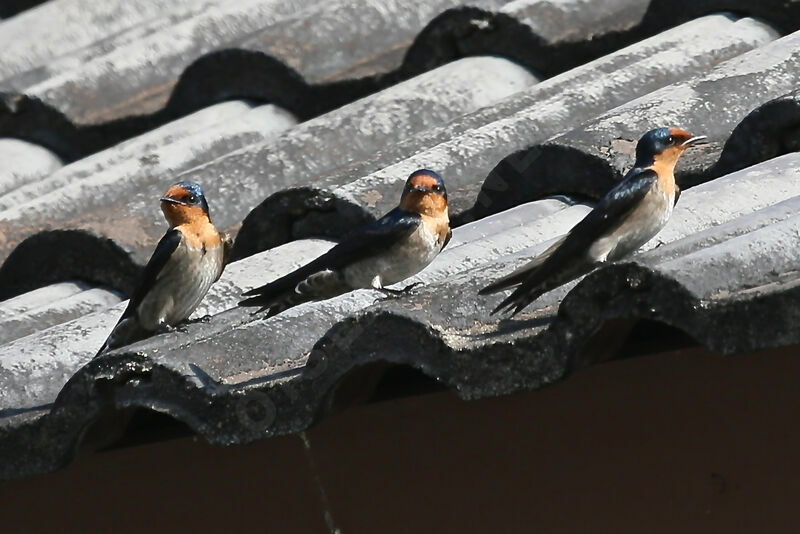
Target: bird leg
[[394, 293], [204, 319], [165, 328]]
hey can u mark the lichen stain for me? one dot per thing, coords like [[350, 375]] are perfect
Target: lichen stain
[[372, 197], [624, 146]]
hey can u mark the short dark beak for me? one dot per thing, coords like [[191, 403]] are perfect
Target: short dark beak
[[696, 140], [421, 189]]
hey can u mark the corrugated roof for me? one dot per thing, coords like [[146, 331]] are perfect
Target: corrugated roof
[[314, 140]]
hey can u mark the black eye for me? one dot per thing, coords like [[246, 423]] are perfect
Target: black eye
[[670, 140], [437, 188], [191, 199]]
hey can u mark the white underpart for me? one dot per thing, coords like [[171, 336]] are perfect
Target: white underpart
[[397, 263], [180, 286], [644, 222], [376, 282]]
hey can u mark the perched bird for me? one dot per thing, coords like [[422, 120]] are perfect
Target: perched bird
[[188, 259], [398, 245], [628, 216]]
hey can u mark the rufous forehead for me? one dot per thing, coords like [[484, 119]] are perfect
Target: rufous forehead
[[680, 133], [424, 180], [177, 192]]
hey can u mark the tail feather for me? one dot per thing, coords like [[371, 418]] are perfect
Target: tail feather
[[277, 294], [540, 282], [563, 261], [275, 304], [127, 331], [293, 289], [518, 276], [275, 288]]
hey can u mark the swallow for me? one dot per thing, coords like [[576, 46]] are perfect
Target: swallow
[[189, 258], [631, 214], [398, 245]]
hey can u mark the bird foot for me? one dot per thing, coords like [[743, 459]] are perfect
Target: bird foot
[[395, 293], [167, 329], [204, 319]]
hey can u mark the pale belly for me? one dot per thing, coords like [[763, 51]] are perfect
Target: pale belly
[[181, 286], [397, 263], [640, 227]]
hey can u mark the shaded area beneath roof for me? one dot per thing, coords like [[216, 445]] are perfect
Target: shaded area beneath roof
[[664, 435]]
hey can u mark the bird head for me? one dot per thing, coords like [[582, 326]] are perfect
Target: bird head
[[425, 194], [664, 146], [183, 203]]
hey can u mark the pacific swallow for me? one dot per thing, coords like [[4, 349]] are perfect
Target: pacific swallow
[[398, 245], [631, 214], [188, 259]]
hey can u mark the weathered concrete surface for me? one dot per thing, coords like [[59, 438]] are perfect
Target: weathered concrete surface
[[14, 7], [571, 21], [138, 76], [237, 181], [57, 311], [572, 33], [590, 159], [96, 84], [770, 130], [198, 378], [24, 162], [38, 297], [742, 192], [239, 378], [157, 156], [23, 360], [135, 72], [511, 236], [34, 368], [55, 29], [108, 181], [465, 150]]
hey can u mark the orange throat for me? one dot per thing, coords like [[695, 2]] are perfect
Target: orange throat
[[664, 166], [428, 204]]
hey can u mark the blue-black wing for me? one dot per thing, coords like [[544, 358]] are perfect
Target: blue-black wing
[[612, 208], [387, 231], [128, 329], [563, 262], [160, 256]]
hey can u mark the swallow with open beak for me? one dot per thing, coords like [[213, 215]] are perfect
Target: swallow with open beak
[[631, 214]]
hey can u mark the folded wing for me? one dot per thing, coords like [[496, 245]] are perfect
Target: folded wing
[[568, 259], [322, 277]]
